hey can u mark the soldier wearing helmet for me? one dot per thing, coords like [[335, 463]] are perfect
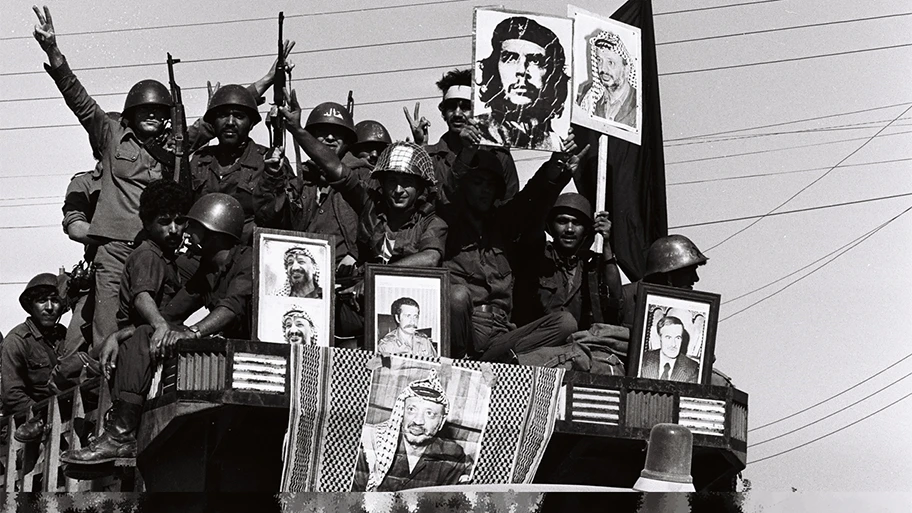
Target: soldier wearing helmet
[[223, 284], [456, 147], [132, 151], [482, 254], [306, 202], [564, 274], [236, 164], [373, 138], [30, 351]]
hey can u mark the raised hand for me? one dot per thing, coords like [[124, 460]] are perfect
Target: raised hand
[[418, 126], [292, 113], [44, 31], [212, 89]]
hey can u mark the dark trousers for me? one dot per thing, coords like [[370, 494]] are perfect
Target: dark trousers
[[134, 367], [489, 336]]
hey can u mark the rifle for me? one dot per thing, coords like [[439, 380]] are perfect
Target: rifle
[[278, 90], [178, 125], [350, 105]]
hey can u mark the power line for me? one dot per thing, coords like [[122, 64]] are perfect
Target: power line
[[31, 205], [866, 237], [781, 61], [864, 125], [773, 150], [781, 29], [806, 187], [221, 59], [712, 8], [792, 122], [856, 385], [832, 432], [777, 173], [242, 20], [786, 212], [30, 226]]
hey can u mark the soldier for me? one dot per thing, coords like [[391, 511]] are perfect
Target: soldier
[[405, 337], [456, 109], [564, 274], [482, 253], [223, 284], [236, 164], [129, 149], [373, 138]]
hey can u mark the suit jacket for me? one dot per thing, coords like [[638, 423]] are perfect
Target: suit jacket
[[685, 368]]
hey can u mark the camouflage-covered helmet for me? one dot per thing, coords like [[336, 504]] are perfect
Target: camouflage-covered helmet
[[237, 96], [219, 213], [147, 92], [330, 113], [370, 131], [42, 280], [406, 158], [671, 253], [573, 202]]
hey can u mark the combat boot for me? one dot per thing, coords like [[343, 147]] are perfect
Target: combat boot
[[117, 441]]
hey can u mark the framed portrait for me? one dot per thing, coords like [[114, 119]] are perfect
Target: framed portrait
[[521, 78], [607, 70], [416, 410], [293, 287], [674, 334], [405, 310]]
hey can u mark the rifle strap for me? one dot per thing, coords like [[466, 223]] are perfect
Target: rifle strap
[[159, 153]]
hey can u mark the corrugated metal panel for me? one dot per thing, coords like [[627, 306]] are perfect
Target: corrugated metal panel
[[646, 409], [595, 405], [201, 371], [739, 422], [263, 373], [702, 416]]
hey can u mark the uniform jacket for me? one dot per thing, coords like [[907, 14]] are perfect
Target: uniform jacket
[[27, 360], [445, 158]]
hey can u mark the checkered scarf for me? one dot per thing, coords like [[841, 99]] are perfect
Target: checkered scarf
[[387, 435], [611, 41]]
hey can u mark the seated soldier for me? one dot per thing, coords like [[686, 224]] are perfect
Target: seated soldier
[[483, 251], [563, 274], [150, 277], [236, 164], [223, 284]]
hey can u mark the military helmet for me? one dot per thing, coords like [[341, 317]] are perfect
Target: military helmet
[[237, 96], [406, 158], [370, 131], [573, 202], [671, 253], [41, 280], [219, 213], [330, 113], [147, 92]]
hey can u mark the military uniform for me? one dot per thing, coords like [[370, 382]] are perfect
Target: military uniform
[[419, 346], [27, 361]]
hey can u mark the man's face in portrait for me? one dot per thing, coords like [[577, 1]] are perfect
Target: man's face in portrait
[[421, 420], [671, 336], [408, 319], [522, 71], [612, 71], [298, 330], [300, 269]]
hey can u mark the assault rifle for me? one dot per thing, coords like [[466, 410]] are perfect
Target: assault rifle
[[178, 125], [350, 105], [278, 90]]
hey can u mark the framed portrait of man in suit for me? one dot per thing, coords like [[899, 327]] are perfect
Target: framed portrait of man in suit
[[674, 334]]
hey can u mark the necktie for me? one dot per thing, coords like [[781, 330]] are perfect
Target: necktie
[[667, 371]]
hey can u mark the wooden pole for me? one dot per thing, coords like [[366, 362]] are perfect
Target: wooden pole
[[601, 185]]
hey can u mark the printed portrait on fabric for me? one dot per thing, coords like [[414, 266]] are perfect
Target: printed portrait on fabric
[[674, 334], [607, 66], [521, 92], [424, 426], [293, 287], [404, 311]]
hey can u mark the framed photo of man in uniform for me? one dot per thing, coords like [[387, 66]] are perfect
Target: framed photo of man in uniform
[[674, 334], [405, 310], [424, 425], [293, 287], [521, 91], [607, 69]]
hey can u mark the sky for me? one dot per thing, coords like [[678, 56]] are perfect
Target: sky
[[818, 111]]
